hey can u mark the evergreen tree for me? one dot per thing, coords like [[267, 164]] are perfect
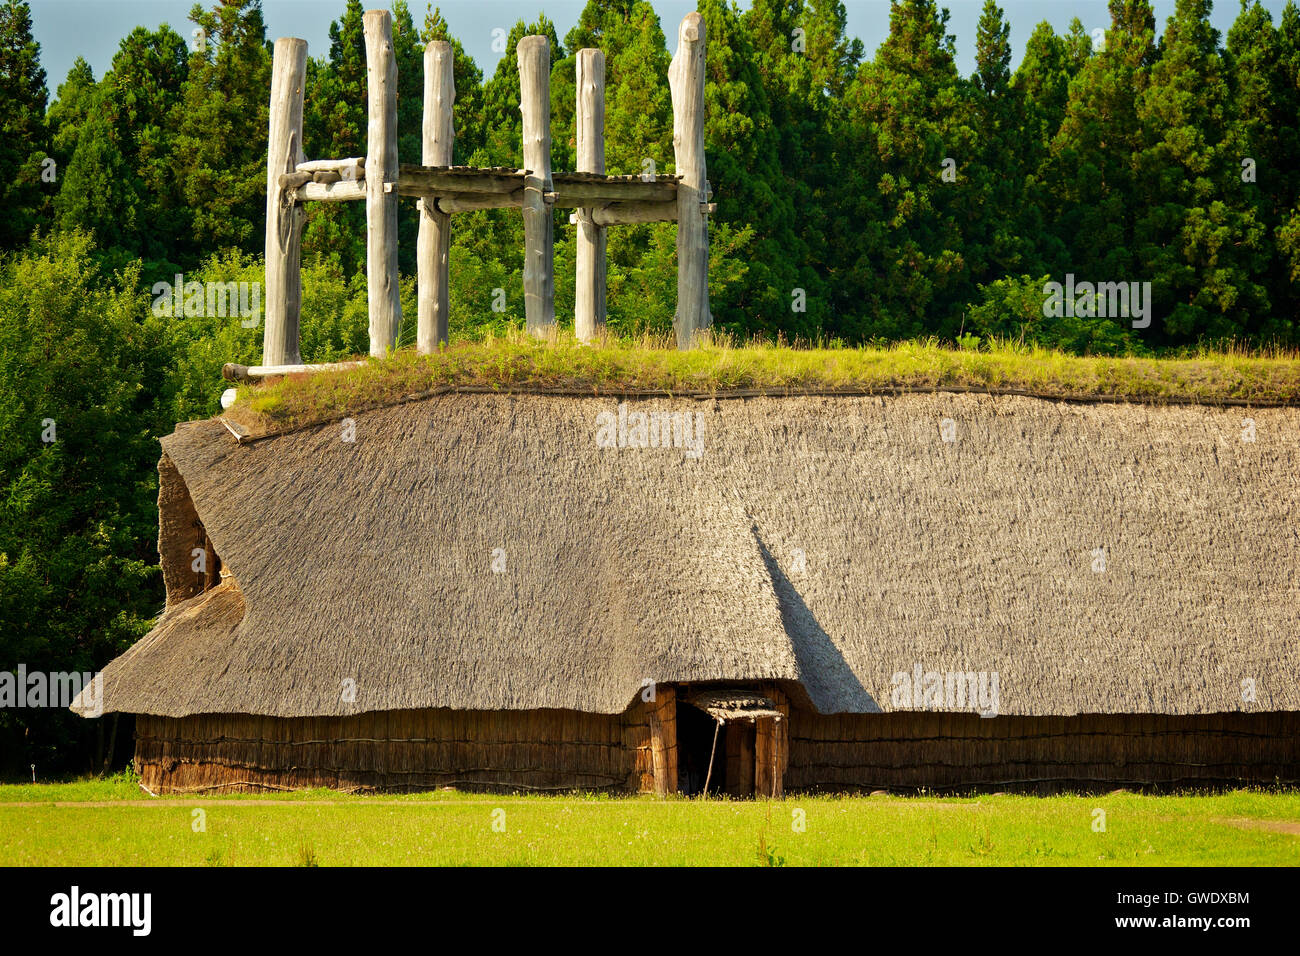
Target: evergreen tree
[[502, 121], [999, 233], [69, 112], [1284, 190], [1042, 85], [468, 109], [992, 52], [806, 63], [23, 139], [638, 106], [742, 151], [334, 127], [1092, 176], [1196, 235], [912, 124], [121, 183], [222, 127], [1043, 81], [1079, 46], [1261, 139]]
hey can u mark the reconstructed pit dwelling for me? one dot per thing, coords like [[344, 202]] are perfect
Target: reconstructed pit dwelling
[[475, 592], [745, 595]]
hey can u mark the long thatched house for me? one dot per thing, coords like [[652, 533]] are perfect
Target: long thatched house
[[749, 595]]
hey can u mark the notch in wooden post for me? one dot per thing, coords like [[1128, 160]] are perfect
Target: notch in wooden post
[[284, 217], [539, 254], [434, 243], [686, 79], [589, 290], [382, 290]]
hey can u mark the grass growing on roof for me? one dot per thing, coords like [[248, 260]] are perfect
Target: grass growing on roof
[[517, 361], [57, 825]]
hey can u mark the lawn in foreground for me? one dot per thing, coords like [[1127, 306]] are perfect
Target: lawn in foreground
[[111, 824]]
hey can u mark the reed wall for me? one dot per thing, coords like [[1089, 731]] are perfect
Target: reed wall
[[555, 750], [948, 751], [541, 750]]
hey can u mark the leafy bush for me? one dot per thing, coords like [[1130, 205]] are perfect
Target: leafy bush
[[1012, 310]]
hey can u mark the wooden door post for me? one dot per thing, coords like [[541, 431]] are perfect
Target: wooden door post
[[434, 243], [772, 749], [686, 78], [663, 740], [382, 291], [539, 254], [589, 291], [283, 218]]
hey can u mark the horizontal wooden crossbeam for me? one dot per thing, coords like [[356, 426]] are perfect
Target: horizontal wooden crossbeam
[[467, 188], [432, 181]]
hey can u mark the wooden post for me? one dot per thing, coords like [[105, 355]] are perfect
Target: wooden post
[[765, 757], [539, 255], [589, 292], [772, 749], [283, 216], [740, 758], [434, 243], [383, 294], [686, 78], [663, 740]]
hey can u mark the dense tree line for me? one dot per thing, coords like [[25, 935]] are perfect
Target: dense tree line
[[859, 199], [901, 197]]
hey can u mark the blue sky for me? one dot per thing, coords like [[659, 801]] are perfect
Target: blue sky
[[67, 29]]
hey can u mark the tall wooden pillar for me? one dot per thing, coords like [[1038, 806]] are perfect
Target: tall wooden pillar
[[539, 253], [382, 291], [434, 243], [589, 292], [686, 78], [284, 219]]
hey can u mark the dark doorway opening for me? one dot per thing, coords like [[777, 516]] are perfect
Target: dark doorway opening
[[695, 735]]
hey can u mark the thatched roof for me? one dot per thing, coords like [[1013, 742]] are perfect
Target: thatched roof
[[831, 543]]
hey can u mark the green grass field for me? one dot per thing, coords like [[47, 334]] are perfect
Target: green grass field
[[111, 823]]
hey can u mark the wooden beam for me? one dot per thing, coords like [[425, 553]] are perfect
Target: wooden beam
[[570, 195], [686, 78], [625, 213], [382, 290], [434, 243], [470, 202], [291, 181], [353, 167], [539, 252], [283, 218], [331, 192], [589, 290], [246, 373], [419, 181]]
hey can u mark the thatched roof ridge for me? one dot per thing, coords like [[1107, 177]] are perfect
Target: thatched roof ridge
[[836, 542]]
